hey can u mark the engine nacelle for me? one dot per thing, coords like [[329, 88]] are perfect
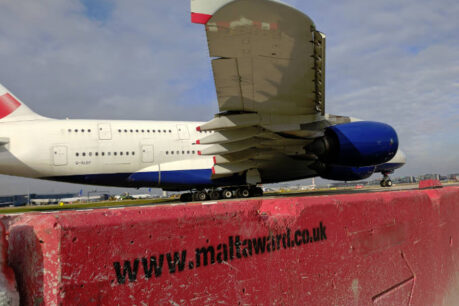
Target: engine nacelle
[[357, 144], [346, 173]]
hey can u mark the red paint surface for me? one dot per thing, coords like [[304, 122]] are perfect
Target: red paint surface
[[200, 18], [429, 183], [8, 104], [388, 248]]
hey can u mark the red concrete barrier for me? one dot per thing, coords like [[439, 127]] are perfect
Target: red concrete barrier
[[429, 183], [388, 248]]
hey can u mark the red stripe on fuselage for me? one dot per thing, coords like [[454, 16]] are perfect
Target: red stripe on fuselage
[[200, 18], [8, 104]]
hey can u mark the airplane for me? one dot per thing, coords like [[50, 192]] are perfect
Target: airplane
[[268, 63]]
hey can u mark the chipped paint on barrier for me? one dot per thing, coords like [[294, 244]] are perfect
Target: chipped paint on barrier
[[340, 249]]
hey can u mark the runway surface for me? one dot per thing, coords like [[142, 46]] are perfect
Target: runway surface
[[269, 195]]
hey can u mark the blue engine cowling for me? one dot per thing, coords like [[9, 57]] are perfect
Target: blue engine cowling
[[356, 144], [346, 173]]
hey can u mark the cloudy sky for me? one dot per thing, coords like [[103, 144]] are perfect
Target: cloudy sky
[[387, 60]]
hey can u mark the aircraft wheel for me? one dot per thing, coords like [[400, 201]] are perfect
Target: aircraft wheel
[[382, 183], [243, 192], [388, 183], [201, 196], [186, 197], [257, 192], [227, 194], [214, 195]]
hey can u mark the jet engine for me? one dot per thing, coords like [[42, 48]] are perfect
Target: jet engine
[[356, 144], [346, 173]]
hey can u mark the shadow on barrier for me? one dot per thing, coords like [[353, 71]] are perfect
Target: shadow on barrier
[[28, 265]]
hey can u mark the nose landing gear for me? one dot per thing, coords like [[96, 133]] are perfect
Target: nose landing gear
[[386, 181]]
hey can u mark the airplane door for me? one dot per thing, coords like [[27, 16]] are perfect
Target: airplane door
[[147, 154], [105, 132], [182, 131], [59, 155]]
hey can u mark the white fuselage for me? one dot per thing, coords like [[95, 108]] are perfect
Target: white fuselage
[[55, 148]]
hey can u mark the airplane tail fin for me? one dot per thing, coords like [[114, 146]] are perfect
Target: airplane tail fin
[[202, 10], [12, 109]]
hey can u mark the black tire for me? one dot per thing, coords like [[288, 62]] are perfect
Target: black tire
[[243, 192], [227, 194], [201, 196], [214, 195], [382, 183], [257, 192], [185, 197], [388, 183]]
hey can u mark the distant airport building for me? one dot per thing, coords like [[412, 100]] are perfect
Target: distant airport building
[[33, 198]]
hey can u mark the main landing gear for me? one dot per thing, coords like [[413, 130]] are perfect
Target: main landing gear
[[224, 193], [386, 182]]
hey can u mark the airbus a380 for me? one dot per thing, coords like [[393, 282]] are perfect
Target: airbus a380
[[269, 70]]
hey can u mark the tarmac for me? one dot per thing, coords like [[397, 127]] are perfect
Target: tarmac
[[267, 195]]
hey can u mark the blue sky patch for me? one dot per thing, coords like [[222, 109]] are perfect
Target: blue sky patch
[[99, 10]]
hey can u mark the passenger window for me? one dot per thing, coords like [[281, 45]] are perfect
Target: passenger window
[[183, 152], [103, 153], [167, 152], [127, 153], [170, 131], [76, 154], [76, 131], [114, 153], [178, 152], [69, 130], [136, 131], [143, 131], [192, 152], [109, 153], [89, 130], [97, 153], [90, 153], [148, 131], [119, 131], [84, 154], [125, 130], [133, 153], [121, 153], [82, 130], [164, 131], [187, 152], [172, 152], [131, 131]]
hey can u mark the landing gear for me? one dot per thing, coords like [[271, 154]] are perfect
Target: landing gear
[[185, 197], [386, 182], [214, 194], [226, 193], [199, 195], [243, 192]]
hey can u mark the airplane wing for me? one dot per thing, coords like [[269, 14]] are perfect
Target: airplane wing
[[268, 57], [269, 70]]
